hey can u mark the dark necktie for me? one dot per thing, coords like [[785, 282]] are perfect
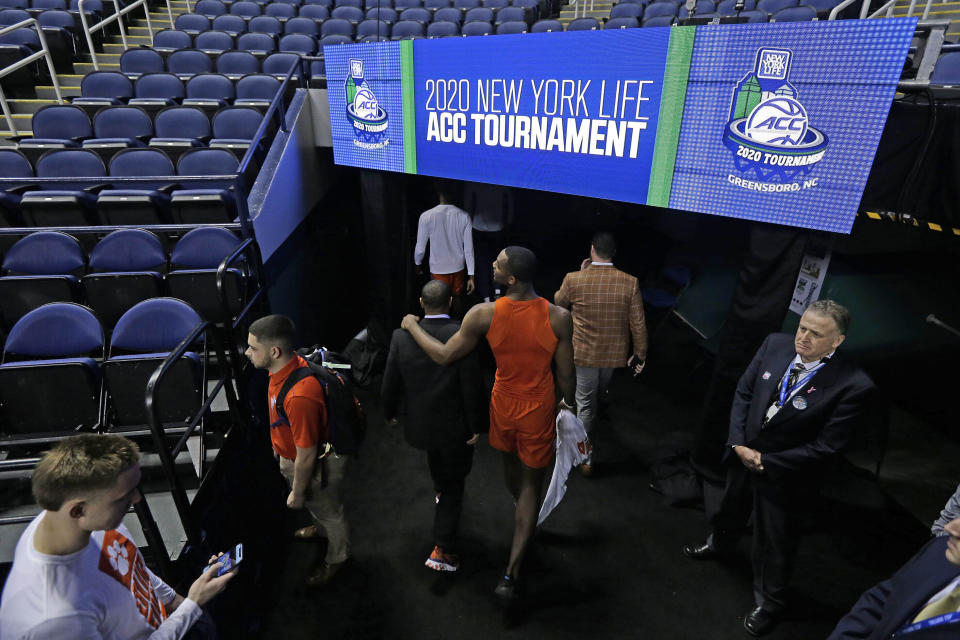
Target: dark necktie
[[794, 376]]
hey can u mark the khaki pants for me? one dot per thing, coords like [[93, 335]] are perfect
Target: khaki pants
[[326, 505]]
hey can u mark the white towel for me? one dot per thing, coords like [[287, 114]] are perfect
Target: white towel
[[573, 447]]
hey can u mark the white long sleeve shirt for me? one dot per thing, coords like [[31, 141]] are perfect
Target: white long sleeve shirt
[[102, 592], [450, 234]]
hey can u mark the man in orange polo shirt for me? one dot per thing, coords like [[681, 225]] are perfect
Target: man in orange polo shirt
[[301, 442]]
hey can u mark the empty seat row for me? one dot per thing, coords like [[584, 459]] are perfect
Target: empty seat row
[[222, 7], [93, 201], [58, 377], [188, 62], [279, 16], [124, 268], [90, 6], [156, 90], [120, 127], [629, 8]]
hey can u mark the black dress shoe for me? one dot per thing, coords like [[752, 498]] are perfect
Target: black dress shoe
[[760, 621], [702, 551]]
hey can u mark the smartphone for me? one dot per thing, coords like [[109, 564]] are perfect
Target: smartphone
[[228, 561], [633, 363]]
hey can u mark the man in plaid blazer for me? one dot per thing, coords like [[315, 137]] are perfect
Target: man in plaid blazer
[[607, 312]]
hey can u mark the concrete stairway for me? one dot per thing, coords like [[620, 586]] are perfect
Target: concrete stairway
[[938, 10], [108, 60], [599, 9]]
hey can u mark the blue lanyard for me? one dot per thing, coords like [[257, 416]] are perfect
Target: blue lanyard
[[785, 392], [931, 622]]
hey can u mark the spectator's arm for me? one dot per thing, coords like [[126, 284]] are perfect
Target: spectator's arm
[[423, 233], [638, 325], [475, 325], [742, 398], [562, 324], [562, 297], [951, 511], [468, 245]]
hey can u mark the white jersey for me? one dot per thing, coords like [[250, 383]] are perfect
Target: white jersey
[[102, 591], [573, 447]]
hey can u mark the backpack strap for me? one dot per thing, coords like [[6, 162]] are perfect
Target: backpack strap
[[301, 373]]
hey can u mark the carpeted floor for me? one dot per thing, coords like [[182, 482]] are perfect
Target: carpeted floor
[[606, 564]]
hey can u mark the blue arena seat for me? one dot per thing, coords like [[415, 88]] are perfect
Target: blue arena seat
[[135, 163], [189, 62], [400, 5], [333, 38], [265, 24], [234, 25], [199, 162], [660, 21], [434, 5], [298, 43], [407, 29], [214, 41], [754, 16], [353, 14], [727, 7], [315, 12], [466, 5], [416, 14], [13, 16], [57, 126], [154, 91], [202, 206], [543, 26], [210, 8], [245, 8], [627, 10], [136, 62], [532, 8], [448, 14], [104, 88], [376, 38], [256, 90], [117, 128], [802, 13], [15, 4], [659, 9], [516, 26], [192, 23], [495, 4], [822, 6], [40, 268], [126, 268], [234, 128], [772, 6], [262, 43], [622, 23], [512, 14], [308, 25], [140, 341], [947, 69], [68, 206], [478, 14], [278, 64], [209, 91], [703, 7], [337, 26], [443, 29], [179, 129], [49, 4], [280, 10], [372, 28], [50, 379], [326, 3], [348, 3], [13, 164], [193, 272], [583, 24], [169, 40], [235, 64], [477, 29]]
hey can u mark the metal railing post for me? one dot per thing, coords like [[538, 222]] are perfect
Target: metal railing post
[[6, 113], [118, 16], [864, 9], [30, 59], [170, 15]]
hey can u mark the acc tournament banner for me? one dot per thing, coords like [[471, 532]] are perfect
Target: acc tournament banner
[[772, 122]]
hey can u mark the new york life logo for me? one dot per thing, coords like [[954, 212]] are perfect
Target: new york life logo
[[774, 147], [368, 118]]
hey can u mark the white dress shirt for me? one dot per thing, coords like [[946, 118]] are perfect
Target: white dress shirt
[[450, 234]]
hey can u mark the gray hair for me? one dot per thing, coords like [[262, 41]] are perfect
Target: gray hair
[[833, 310]]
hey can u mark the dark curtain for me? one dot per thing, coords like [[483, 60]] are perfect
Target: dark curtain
[[761, 300]]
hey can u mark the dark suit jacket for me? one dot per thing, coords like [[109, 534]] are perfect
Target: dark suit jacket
[[893, 603], [444, 405], [797, 440]]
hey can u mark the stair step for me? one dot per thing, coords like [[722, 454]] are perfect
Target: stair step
[[20, 120], [27, 106], [87, 67], [46, 92], [102, 59]]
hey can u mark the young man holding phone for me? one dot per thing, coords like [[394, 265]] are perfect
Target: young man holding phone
[[77, 572]]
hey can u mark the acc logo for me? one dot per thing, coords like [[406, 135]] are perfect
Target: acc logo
[[774, 147], [368, 118]]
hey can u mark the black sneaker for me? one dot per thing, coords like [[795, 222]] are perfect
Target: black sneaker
[[508, 588]]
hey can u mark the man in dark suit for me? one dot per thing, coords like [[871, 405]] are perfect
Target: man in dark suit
[[921, 600], [445, 412], [796, 406]]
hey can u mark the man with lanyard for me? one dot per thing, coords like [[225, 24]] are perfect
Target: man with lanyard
[[300, 441], [920, 602], [796, 406], [526, 334]]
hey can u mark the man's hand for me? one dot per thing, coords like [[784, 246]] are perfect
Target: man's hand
[[749, 457], [295, 501], [474, 440], [585, 264], [208, 585], [419, 269], [636, 365], [471, 285], [409, 321], [572, 407]]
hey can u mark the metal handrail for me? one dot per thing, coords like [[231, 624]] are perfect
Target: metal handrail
[[43, 53], [118, 13], [177, 490]]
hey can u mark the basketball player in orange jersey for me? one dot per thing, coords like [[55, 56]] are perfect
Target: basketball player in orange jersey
[[526, 333]]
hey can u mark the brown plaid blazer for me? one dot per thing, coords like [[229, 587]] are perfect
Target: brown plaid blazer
[[607, 310]]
